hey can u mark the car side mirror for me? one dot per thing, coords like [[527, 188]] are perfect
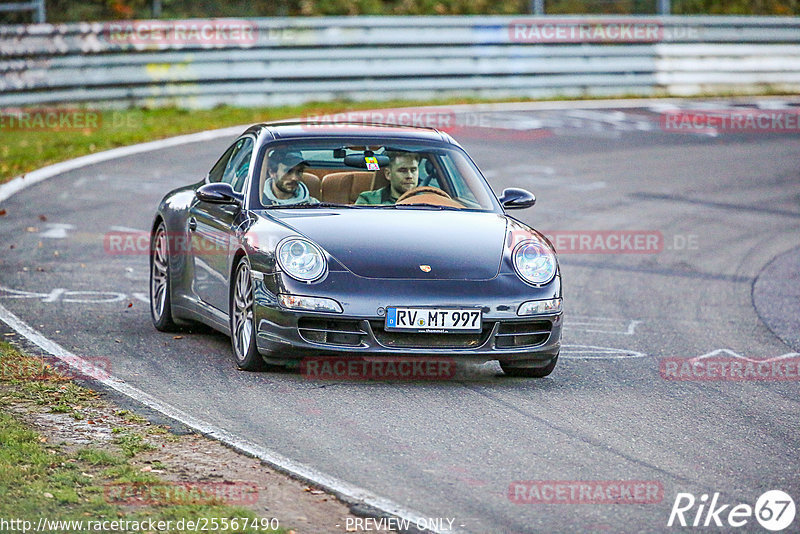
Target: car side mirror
[[218, 193], [514, 198]]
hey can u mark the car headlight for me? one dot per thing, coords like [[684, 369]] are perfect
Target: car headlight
[[301, 259], [534, 262]]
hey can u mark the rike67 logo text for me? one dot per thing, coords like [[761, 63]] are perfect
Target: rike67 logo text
[[774, 510]]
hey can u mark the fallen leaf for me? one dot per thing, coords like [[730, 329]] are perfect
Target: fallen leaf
[[117, 341], [316, 492], [3, 212], [10, 334], [48, 495], [146, 469], [177, 337], [42, 218], [40, 269], [87, 475], [42, 439], [130, 304], [31, 229], [55, 253]]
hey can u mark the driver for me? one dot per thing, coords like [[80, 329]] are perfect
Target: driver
[[284, 186], [403, 175]]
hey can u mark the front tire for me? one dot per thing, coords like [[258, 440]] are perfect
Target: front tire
[[529, 372], [160, 286], [242, 320]]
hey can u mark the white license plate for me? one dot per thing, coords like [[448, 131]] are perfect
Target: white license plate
[[442, 320]]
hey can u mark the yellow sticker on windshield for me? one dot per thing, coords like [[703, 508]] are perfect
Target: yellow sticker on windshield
[[372, 163]]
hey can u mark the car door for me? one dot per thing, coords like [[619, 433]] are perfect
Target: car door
[[212, 225]]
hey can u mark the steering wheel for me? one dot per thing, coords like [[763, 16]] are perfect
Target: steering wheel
[[423, 189]]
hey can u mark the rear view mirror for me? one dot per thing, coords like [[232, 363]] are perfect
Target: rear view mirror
[[359, 161]]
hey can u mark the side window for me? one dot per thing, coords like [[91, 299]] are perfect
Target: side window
[[238, 167], [216, 172]]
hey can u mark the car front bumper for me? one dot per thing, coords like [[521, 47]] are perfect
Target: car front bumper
[[287, 334]]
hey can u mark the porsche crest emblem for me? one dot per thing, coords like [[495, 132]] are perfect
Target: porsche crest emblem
[[425, 268]]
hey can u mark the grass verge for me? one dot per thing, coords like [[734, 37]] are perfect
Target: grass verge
[[40, 479], [23, 149]]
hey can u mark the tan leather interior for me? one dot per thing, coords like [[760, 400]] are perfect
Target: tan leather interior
[[319, 172], [344, 187], [313, 183], [379, 181]]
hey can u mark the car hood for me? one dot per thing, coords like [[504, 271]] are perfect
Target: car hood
[[389, 243]]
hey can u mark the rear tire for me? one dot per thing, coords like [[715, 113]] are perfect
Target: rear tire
[[160, 285], [242, 320], [529, 372]]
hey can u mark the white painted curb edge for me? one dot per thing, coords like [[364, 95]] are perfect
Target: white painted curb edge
[[349, 492], [26, 180]]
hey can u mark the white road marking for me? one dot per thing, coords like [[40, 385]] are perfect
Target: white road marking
[[142, 296], [56, 230], [63, 295], [127, 229], [590, 352], [349, 491], [728, 352], [602, 325]]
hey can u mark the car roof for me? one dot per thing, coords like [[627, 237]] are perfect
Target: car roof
[[322, 129]]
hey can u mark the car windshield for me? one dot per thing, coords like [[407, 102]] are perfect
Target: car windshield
[[370, 174]]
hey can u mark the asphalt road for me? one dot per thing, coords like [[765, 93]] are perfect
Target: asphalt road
[[726, 206]]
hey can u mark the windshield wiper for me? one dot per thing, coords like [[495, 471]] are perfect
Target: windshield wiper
[[318, 205], [425, 205]]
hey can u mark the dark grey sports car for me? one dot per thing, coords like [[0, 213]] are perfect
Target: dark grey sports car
[[308, 240]]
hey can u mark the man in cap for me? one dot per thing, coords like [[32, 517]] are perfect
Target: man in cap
[[284, 185]]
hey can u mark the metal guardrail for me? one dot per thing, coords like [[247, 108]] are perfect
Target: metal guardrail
[[282, 61], [36, 6]]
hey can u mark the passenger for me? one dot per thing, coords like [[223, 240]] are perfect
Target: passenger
[[403, 175], [284, 185]]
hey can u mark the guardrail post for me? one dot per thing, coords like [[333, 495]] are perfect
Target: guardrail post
[[664, 7], [40, 12], [537, 7]]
